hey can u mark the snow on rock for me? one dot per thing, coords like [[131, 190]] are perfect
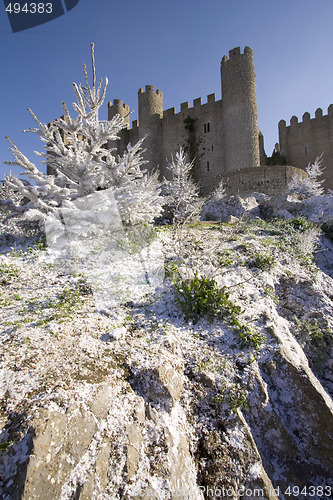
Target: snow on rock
[[143, 404], [318, 209], [229, 207]]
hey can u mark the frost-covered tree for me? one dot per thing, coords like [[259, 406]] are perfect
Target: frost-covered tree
[[311, 185], [183, 200], [77, 151], [8, 193]]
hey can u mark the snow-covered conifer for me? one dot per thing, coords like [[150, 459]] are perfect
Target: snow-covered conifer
[[76, 151], [181, 192], [311, 185], [8, 193]]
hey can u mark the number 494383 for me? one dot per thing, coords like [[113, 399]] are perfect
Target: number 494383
[[29, 8], [311, 491]]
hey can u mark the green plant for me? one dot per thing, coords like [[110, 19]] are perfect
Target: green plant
[[68, 301], [262, 261], [204, 364], [4, 446], [237, 398], [308, 331], [201, 296], [15, 252], [269, 292], [7, 273], [301, 224], [243, 247], [61, 308], [306, 260], [218, 398], [189, 123], [248, 335], [171, 268], [225, 258], [41, 243]]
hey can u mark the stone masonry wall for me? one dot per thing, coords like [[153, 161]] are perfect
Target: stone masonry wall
[[198, 129], [220, 135], [271, 180], [302, 142]]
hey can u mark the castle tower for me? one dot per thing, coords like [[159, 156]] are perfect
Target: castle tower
[[239, 102], [150, 114], [119, 108], [122, 109]]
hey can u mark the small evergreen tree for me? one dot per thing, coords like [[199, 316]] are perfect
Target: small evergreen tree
[[181, 192], [76, 150], [310, 185]]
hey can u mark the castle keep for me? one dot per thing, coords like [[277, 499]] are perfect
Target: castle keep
[[222, 135]]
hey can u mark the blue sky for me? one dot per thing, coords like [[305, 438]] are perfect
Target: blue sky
[[175, 45]]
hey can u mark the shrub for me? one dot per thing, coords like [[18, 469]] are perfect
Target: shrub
[[308, 331], [235, 396], [301, 224], [248, 336], [262, 261], [7, 273], [201, 296]]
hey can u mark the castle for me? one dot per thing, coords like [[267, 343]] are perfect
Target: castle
[[302, 142], [222, 136]]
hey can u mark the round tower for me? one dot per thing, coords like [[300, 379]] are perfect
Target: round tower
[[119, 108], [150, 114], [239, 104]]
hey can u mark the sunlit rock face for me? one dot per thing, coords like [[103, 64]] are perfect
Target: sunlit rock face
[[139, 402]]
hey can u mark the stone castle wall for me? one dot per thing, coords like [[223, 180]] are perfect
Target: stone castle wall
[[272, 180], [302, 142], [221, 135], [197, 128]]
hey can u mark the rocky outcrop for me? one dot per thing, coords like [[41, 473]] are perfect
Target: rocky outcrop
[[144, 405], [228, 208]]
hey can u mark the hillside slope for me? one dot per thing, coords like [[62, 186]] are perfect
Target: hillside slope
[[218, 385]]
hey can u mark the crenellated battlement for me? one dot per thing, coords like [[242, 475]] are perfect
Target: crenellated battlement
[[119, 108], [197, 108], [301, 142], [150, 89], [118, 104], [307, 120], [169, 112], [234, 53]]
